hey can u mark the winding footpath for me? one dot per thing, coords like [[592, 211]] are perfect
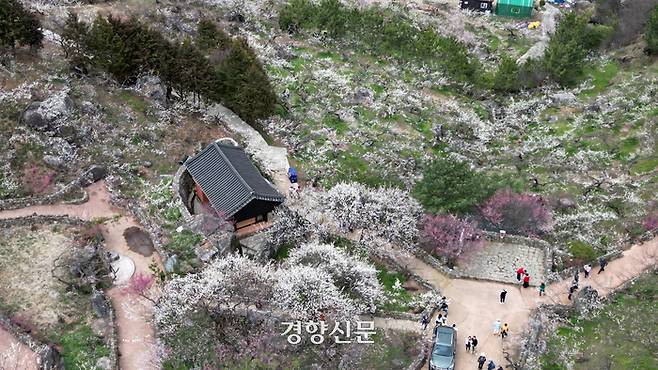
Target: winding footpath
[[136, 335]]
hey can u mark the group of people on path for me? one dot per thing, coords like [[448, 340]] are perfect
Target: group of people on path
[[490, 366], [441, 318], [523, 277]]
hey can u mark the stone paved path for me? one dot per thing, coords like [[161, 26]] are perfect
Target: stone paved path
[[474, 305], [133, 317], [498, 261]]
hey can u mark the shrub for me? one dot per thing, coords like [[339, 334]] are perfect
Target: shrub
[[450, 186], [450, 237], [581, 251], [506, 78], [211, 37], [573, 40], [18, 26], [651, 33], [524, 214]]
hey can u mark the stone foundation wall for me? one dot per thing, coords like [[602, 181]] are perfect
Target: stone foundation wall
[[70, 188], [542, 245]]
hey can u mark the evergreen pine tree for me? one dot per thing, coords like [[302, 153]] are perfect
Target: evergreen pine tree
[[651, 34], [18, 26]]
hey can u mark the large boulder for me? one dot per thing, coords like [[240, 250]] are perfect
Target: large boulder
[[45, 115], [94, 173], [99, 304], [152, 87], [563, 99], [586, 301]]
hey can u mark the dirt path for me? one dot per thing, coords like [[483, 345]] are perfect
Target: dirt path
[[14, 355], [474, 305], [135, 331]]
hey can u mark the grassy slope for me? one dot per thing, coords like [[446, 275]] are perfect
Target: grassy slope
[[622, 336]]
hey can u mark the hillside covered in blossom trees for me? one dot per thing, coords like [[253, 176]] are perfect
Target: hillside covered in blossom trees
[[328, 184]]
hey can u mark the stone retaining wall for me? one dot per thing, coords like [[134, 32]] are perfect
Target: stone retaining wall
[[494, 237], [40, 219], [47, 357], [75, 185]]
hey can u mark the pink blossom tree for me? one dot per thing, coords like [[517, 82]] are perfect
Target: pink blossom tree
[[450, 237], [524, 214], [140, 285], [650, 222]]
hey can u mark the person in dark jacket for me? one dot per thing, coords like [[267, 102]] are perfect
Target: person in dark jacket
[[491, 365], [503, 295], [481, 360], [474, 343], [603, 263]]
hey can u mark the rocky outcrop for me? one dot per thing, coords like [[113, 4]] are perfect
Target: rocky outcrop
[[45, 115]]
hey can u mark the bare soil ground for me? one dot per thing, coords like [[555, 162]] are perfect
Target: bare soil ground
[[138, 241]]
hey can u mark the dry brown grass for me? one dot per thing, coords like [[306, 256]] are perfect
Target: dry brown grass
[[27, 286]]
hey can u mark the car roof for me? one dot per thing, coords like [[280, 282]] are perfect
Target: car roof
[[444, 335]]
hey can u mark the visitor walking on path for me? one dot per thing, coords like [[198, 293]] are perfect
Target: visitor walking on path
[[526, 281], [503, 295], [572, 289], [496, 327], [576, 276], [491, 365], [504, 330], [481, 360], [474, 344], [468, 344], [602, 263], [520, 271], [587, 269], [425, 320], [542, 289]]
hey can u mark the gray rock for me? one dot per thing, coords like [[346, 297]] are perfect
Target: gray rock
[[563, 98], [586, 300], [566, 203], [50, 359], [32, 118], [361, 96], [43, 116], [104, 363], [171, 263], [88, 108], [235, 17], [224, 242], [54, 161], [152, 87], [285, 53], [205, 224], [205, 252], [99, 304], [94, 173]]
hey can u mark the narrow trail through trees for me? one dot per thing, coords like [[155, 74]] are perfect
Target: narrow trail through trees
[[136, 335]]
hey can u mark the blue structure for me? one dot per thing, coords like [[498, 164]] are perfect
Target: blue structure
[[292, 175]]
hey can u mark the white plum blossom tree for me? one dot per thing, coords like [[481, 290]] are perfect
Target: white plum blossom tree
[[350, 274], [381, 214], [307, 292]]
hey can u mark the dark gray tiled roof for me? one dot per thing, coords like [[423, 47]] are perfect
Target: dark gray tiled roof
[[229, 179]]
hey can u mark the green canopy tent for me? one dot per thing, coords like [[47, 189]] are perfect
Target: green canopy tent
[[514, 8]]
